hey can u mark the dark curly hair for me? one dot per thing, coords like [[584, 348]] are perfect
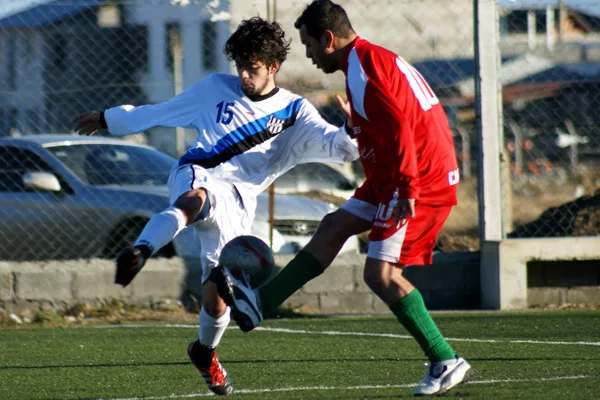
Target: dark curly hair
[[257, 39]]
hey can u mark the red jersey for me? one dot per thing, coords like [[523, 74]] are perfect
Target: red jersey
[[403, 135]]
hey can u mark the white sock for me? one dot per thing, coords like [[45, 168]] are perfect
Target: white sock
[[162, 228], [212, 329], [449, 362]]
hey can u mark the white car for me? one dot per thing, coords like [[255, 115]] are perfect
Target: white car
[[331, 179], [292, 228]]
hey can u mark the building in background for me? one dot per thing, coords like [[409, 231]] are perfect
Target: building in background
[[58, 59], [561, 30]]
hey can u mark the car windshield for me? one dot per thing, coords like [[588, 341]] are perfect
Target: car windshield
[[115, 164]]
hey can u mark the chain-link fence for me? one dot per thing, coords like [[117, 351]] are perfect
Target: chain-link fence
[[64, 196], [550, 75], [63, 57], [437, 39]]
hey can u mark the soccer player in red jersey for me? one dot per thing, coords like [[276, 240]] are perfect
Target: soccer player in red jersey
[[408, 156]]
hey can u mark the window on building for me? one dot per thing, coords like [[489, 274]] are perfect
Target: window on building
[[174, 44], [109, 16], [33, 121], [29, 47], [59, 50], [4, 130], [516, 22], [11, 67], [209, 45], [139, 46], [13, 120]]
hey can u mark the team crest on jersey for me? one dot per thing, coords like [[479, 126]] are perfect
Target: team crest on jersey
[[275, 125]]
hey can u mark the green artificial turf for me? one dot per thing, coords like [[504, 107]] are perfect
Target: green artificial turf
[[531, 355]]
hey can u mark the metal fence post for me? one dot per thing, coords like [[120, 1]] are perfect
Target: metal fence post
[[489, 132]]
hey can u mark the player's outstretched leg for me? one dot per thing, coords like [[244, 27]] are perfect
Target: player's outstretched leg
[[443, 376], [206, 362], [240, 296]]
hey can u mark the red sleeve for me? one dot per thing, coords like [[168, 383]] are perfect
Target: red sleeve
[[383, 111]]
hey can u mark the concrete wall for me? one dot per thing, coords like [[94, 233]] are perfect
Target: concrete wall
[[508, 282], [31, 285], [452, 282]]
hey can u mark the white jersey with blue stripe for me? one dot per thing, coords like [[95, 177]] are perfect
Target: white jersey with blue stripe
[[248, 143]]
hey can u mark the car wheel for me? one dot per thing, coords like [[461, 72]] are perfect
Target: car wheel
[[125, 234]]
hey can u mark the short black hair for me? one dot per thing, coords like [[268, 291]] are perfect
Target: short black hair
[[257, 39], [322, 15]]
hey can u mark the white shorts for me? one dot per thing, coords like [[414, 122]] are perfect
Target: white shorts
[[227, 217]]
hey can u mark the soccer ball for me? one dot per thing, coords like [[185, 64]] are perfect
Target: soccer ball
[[250, 256]]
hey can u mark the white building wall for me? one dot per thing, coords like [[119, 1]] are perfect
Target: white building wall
[[159, 80]]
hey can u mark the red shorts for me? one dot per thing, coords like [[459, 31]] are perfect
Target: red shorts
[[412, 243]]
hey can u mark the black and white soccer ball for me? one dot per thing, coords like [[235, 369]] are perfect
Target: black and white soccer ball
[[248, 255]]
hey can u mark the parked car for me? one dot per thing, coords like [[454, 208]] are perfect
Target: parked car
[[317, 177], [70, 197]]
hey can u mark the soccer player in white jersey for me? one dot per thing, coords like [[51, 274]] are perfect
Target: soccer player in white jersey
[[249, 133], [409, 160]]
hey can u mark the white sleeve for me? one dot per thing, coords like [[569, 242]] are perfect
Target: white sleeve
[[179, 111], [316, 140]]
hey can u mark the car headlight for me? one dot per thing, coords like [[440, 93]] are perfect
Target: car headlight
[[260, 229]]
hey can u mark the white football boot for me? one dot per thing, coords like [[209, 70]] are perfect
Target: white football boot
[[441, 377], [240, 296]]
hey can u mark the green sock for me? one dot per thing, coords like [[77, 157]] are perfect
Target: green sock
[[299, 271], [412, 314]]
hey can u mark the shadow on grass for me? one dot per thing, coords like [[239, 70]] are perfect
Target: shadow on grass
[[154, 364], [255, 361]]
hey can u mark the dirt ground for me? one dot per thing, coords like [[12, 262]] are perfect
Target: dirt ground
[[540, 207], [535, 212], [117, 313]]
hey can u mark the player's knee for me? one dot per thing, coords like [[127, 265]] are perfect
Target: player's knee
[[191, 203], [332, 226], [211, 301], [373, 278], [214, 306]]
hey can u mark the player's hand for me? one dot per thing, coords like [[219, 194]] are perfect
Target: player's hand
[[404, 209], [346, 109], [88, 123], [130, 261]]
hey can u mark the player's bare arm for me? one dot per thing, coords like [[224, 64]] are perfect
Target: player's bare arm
[[88, 123]]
